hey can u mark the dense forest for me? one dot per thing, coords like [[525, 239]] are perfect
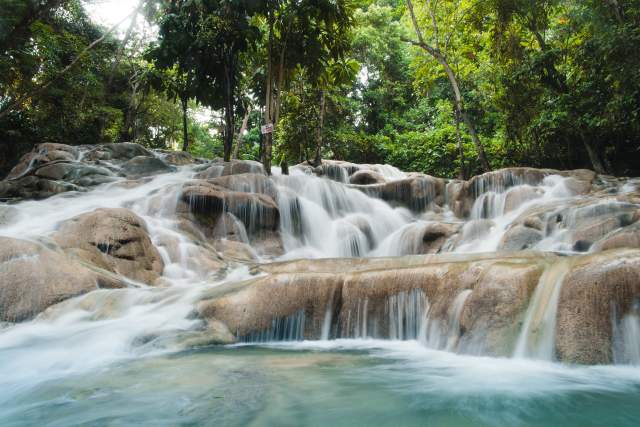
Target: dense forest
[[445, 87]]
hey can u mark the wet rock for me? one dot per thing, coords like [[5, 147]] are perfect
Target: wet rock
[[337, 170], [470, 231], [208, 202], [42, 154], [415, 193], [236, 251], [118, 151], [627, 237], [247, 183], [32, 187], [234, 167], [33, 277], [463, 196], [518, 196], [598, 291], [115, 240], [361, 293], [145, 166], [519, 238], [436, 234], [179, 158], [366, 177], [76, 173]]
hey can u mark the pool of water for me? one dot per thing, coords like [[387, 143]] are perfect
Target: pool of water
[[330, 383]]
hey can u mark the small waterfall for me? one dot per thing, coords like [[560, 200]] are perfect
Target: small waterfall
[[537, 337], [626, 336], [455, 312], [287, 328], [406, 312]]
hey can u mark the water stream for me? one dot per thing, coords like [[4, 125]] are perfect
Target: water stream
[[126, 356]]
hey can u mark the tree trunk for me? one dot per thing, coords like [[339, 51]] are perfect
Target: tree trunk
[[267, 138], [463, 169], [482, 157], [243, 128], [185, 132], [442, 60], [598, 167], [318, 159], [129, 122], [228, 113]]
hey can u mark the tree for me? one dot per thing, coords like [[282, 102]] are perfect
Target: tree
[[438, 49], [204, 39], [303, 34]]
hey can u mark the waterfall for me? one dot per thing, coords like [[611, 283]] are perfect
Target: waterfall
[[286, 328], [626, 336], [537, 337]]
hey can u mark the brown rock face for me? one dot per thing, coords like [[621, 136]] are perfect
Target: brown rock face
[[113, 239], [234, 167], [366, 177], [33, 278], [415, 193], [599, 290], [208, 202], [358, 293]]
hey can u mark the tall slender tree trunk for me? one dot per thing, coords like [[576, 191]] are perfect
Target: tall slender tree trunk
[[482, 157], [185, 131], [453, 80], [243, 128], [319, 130], [268, 104], [598, 167], [228, 113], [463, 168]]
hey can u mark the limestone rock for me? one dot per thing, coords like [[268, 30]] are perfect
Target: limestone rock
[[146, 165], [366, 177], [597, 287], [519, 238], [33, 277], [115, 240]]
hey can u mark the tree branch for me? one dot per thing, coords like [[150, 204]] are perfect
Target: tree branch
[[4, 111]]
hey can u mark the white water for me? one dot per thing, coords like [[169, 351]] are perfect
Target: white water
[[320, 218], [537, 338]]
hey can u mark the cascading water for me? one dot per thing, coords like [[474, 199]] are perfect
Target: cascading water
[[537, 339], [318, 217]]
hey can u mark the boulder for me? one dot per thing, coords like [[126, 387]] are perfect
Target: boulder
[[518, 196], [42, 154], [366, 177], [234, 167], [436, 234], [115, 240], [519, 237], [247, 183], [599, 290], [208, 202], [33, 187], [117, 151], [146, 165], [76, 173], [627, 237], [415, 193], [178, 158], [33, 277]]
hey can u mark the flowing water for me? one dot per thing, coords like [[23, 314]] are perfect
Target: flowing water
[[126, 357]]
